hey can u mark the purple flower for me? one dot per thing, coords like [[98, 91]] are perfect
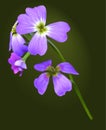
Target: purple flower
[[17, 42], [61, 83], [17, 64], [34, 22]]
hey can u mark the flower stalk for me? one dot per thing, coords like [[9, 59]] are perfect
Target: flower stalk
[[75, 85], [57, 50], [26, 56]]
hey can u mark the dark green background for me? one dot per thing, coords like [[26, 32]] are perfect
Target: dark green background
[[21, 107]]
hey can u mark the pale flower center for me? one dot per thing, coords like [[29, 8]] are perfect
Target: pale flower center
[[41, 28], [53, 71]]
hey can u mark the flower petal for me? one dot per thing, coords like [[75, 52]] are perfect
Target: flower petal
[[41, 83], [15, 69], [40, 12], [21, 64], [25, 24], [43, 65], [58, 31], [67, 68], [30, 12], [38, 45], [13, 58], [61, 84], [37, 14], [17, 45]]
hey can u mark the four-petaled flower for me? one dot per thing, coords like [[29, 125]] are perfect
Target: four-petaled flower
[[61, 83], [34, 22], [17, 64], [17, 42]]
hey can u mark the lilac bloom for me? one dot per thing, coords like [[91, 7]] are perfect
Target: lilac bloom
[[61, 83], [17, 42], [17, 64], [34, 21]]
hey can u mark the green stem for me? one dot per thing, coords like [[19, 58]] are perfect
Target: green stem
[[75, 85], [57, 50], [28, 37], [81, 98], [26, 56]]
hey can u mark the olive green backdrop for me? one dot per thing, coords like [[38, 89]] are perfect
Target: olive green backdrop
[[21, 107]]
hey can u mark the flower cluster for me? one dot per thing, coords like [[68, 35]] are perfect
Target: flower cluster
[[29, 37]]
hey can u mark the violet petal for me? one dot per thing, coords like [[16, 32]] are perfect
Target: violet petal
[[41, 83], [21, 64], [38, 13], [43, 65], [17, 45], [61, 84], [13, 58], [25, 25], [38, 45], [66, 67], [58, 31]]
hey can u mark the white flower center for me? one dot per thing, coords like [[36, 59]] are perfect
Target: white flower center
[[41, 28]]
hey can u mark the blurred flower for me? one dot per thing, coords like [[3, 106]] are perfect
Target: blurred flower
[[34, 22], [17, 64], [17, 42], [61, 83]]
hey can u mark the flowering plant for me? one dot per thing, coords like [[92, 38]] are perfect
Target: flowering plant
[[29, 36]]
